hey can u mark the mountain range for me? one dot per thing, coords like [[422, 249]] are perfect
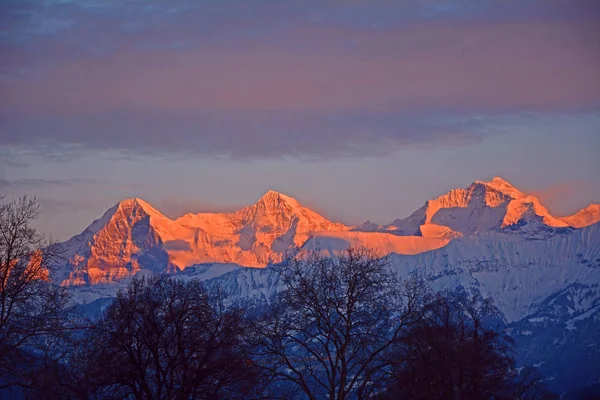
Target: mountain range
[[133, 236], [541, 271]]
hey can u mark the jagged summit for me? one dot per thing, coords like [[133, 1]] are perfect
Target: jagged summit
[[275, 200], [482, 206], [132, 201], [138, 203], [128, 207], [273, 195], [585, 217], [500, 181], [501, 185], [496, 181]]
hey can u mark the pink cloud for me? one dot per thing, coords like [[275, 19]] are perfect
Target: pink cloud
[[344, 78], [543, 65], [564, 198]]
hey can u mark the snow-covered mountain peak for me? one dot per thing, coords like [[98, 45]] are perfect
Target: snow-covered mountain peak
[[585, 217], [499, 185], [482, 206], [277, 212], [125, 240], [136, 209], [274, 201], [275, 196], [136, 204], [132, 201]]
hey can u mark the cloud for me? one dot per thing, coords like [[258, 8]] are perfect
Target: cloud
[[9, 158], [29, 183], [558, 189], [272, 135], [560, 196], [451, 65], [286, 79], [66, 207], [245, 135]]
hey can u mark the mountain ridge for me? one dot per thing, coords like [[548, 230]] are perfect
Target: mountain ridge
[[482, 206], [133, 235]]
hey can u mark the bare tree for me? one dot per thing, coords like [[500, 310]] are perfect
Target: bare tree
[[451, 355], [456, 353], [163, 338], [30, 305], [529, 385], [330, 332]]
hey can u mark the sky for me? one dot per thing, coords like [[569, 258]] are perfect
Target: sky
[[362, 110]]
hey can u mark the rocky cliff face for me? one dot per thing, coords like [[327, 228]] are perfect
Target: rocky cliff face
[[120, 244]]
